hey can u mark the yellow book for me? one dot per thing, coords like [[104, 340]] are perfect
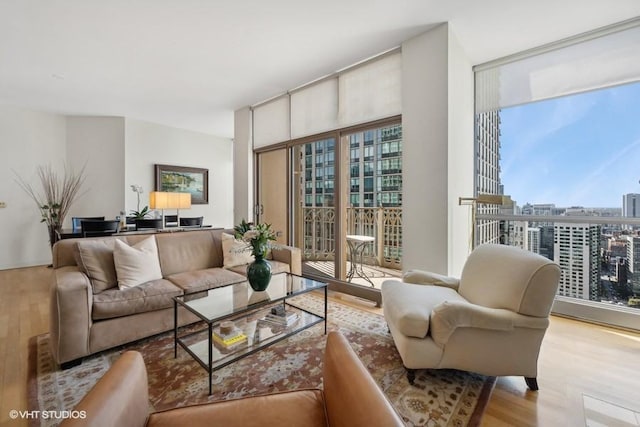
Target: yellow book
[[229, 341]]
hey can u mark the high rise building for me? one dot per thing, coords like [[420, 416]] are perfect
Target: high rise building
[[576, 251], [375, 163], [630, 207], [546, 241], [488, 172], [633, 262], [517, 234], [533, 240], [374, 181]]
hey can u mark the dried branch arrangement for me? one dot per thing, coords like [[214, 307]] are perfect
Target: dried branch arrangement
[[56, 195]]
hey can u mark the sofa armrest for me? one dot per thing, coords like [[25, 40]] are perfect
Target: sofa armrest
[[420, 277], [289, 255], [119, 398], [351, 395], [71, 297], [451, 315]]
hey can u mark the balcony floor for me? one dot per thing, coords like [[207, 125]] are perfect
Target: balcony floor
[[376, 273]]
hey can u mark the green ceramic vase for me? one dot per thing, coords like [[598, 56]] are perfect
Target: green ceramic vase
[[259, 274]]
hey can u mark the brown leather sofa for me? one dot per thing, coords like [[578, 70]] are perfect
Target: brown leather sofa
[[349, 398], [88, 317]]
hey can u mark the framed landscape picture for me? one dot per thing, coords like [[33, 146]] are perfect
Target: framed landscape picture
[[180, 179]]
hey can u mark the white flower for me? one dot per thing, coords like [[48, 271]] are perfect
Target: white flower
[[250, 234], [136, 188]]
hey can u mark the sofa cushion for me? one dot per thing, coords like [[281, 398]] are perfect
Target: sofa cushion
[[235, 252], [95, 259], [409, 306], [188, 251], [202, 280], [276, 267], [136, 264], [150, 296]]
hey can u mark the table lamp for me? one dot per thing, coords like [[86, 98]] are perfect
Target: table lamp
[[160, 200], [184, 202]]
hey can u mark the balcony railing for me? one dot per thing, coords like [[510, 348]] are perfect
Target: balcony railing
[[382, 223]]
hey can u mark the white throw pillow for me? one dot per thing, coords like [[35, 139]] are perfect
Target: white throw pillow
[[235, 252], [136, 264]]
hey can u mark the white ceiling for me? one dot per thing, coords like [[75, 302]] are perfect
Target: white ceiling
[[191, 63]]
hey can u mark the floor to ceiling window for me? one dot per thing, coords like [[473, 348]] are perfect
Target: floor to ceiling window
[[557, 131]]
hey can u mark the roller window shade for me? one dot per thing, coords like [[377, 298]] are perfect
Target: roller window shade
[[314, 109], [372, 91], [608, 60], [271, 122]]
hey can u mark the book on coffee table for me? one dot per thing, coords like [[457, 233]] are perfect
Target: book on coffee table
[[228, 335], [288, 319]]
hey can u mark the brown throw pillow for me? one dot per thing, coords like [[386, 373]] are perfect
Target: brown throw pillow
[[96, 261]]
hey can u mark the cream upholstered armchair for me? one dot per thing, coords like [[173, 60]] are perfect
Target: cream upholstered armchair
[[490, 321]]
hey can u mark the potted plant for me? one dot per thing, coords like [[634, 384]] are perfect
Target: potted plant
[[257, 237], [55, 197], [139, 214]]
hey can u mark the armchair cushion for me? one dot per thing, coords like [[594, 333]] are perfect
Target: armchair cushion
[[410, 305]]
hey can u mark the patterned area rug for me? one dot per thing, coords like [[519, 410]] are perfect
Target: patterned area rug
[[439, 397]]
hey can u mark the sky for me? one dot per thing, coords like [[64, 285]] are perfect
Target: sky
[[579, 150]]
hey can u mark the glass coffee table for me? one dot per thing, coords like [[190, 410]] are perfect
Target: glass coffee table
[[249, 312]]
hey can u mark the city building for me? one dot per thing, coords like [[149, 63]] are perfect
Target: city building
[[488, 173], [630, 207], [576, 250], [633, 262], [533, 240]]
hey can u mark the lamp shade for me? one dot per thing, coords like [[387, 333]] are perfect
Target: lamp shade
[[184, 201], [166, 200], [159, 200]]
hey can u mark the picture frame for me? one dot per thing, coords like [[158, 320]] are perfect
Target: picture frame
[[182, 179]]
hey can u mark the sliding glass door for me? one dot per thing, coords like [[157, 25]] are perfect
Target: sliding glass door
[[347, 188]]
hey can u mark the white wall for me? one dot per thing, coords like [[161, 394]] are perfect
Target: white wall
[[242, 167], [147, 144], [437, 126], [98, 143], [424, 151], [461, 152], [118, 152], [28, 139]]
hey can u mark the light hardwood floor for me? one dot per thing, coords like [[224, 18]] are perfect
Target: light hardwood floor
[[577, 360]]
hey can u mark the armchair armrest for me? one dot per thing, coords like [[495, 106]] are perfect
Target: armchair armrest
[[351, 395], [421, 277], [119, 398], [450, 315]]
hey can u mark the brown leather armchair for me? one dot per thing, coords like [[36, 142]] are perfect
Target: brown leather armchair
[[349, 397]]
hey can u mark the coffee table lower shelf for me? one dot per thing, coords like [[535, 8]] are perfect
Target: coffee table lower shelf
[[260, 334]]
